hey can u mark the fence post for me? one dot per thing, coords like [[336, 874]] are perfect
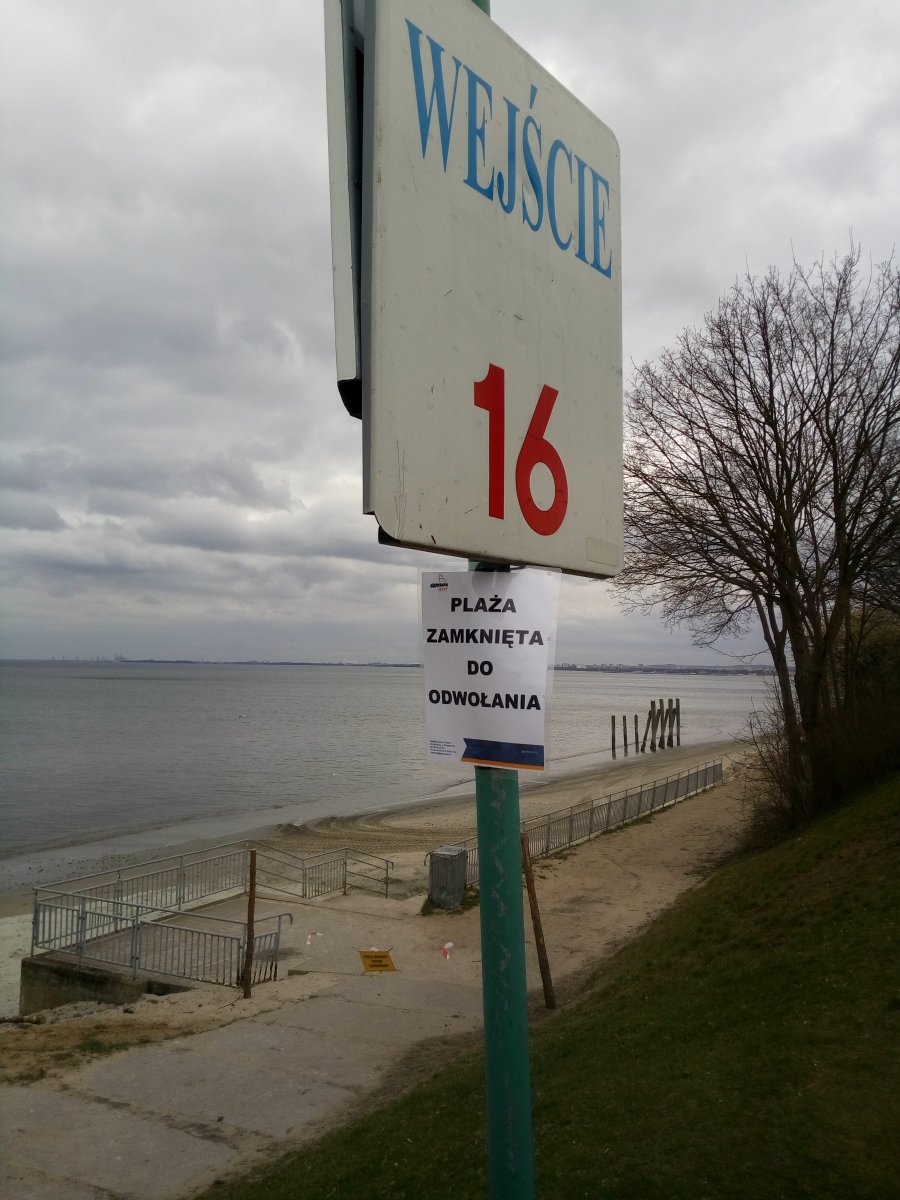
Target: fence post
[[250, 930], [135, 944], [179, 884], [82, 927], [276, 947], [117, 901]]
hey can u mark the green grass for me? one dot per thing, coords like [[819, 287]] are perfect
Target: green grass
[[747, 1047]]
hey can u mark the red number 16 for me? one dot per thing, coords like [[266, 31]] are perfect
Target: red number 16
[[490, 394]]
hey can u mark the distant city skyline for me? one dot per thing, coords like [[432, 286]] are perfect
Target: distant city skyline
[[611, 668]]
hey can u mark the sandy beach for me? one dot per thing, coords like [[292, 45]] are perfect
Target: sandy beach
[[707, 825], [205, 1083]]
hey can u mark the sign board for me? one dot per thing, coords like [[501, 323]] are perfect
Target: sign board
[[489, 320], [491, 303], [376, 961], [488, 638]]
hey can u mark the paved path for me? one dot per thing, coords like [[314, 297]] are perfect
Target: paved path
[[159, 1121]]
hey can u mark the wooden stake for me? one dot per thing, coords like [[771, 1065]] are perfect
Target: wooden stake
[[646, 731], [625, 731], [678, 720], [543, 962], [251, 912], [612, 721]]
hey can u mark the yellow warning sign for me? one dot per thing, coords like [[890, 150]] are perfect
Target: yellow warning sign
[[377, 960]]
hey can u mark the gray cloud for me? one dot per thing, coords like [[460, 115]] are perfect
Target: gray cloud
[[180, 478], [28, 512]]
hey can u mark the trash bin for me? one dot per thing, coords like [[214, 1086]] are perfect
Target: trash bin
[[448, 867]]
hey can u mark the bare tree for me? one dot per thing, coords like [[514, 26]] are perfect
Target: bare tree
[[762, 480]]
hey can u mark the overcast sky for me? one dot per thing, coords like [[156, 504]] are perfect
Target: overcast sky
[[179, 477]]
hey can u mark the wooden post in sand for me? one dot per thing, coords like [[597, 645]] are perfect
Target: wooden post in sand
[[646, 731], [625, 731], [251, 912], [540, 946], [612, 725], [677, 721]]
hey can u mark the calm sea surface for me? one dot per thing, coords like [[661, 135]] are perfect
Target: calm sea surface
[[98, 751]]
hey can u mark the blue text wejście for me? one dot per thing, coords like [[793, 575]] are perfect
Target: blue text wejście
[[548, 168]]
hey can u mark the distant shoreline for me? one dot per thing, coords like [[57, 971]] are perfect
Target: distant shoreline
[[603, 668]]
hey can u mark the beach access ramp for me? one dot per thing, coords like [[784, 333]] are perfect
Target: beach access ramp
[[147, 927]]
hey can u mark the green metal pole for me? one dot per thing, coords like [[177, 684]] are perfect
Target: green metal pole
[[505, 994], [507, 1068]]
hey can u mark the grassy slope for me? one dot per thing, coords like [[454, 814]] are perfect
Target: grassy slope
[[745, 1047]]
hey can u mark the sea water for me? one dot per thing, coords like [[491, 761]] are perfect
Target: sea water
[[165, 752]]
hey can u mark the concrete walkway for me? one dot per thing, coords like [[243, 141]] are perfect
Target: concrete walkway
[[161, 1121]]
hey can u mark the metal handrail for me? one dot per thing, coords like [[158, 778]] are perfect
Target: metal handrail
[[308, 877], [104, 931], [143, 909], [553, 825], [208, 854]]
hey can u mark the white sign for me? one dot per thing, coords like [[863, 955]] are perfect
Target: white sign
[[488, 638], [491, 298]]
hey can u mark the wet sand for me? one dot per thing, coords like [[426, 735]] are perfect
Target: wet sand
[[614, 883]]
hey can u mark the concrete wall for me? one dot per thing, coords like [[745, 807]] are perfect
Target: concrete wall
[[50, 982]]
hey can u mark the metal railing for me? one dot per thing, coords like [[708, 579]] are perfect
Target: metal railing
[[319, 874], [123, 934], [164, 884], [126, 918], [362, 866], [569, 826], [184, 881]]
